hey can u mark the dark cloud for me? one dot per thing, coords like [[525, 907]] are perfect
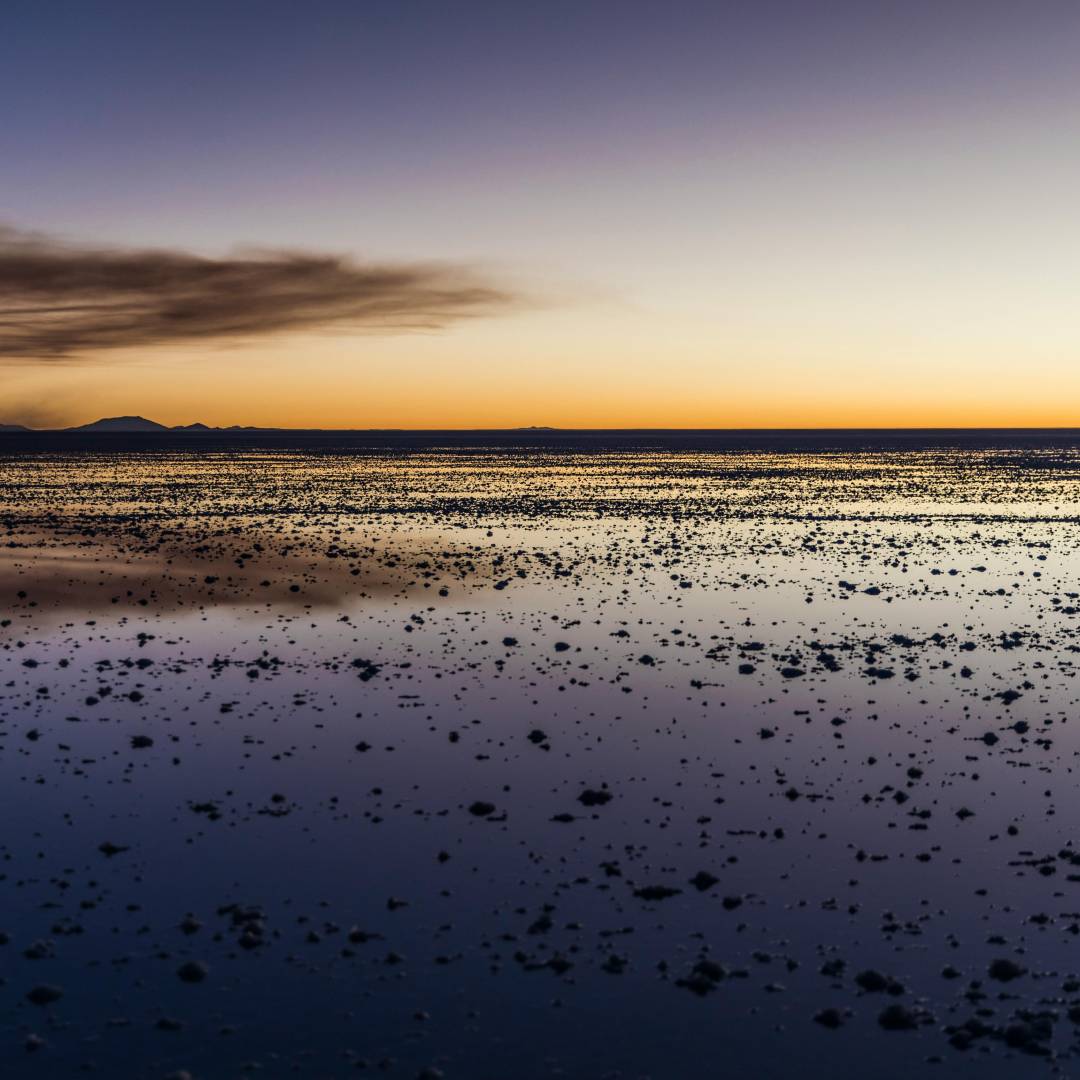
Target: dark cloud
[[64, 300]]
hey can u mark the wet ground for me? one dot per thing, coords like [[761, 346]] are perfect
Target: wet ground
[[497, 763]]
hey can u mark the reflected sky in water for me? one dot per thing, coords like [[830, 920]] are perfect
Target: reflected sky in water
[[538, 764]]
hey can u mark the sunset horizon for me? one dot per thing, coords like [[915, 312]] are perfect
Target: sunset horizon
[[740, 217], [196, 425]]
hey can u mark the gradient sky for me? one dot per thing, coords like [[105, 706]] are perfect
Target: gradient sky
[[746, 214]]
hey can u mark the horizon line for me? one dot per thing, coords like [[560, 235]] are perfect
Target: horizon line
[[238, 429]]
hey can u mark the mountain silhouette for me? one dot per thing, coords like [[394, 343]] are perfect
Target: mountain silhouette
[[121, 423]]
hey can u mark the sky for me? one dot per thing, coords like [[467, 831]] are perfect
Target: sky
[[455, 215]]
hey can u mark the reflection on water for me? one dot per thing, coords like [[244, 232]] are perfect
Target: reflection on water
[[538, 764], [107, 569]]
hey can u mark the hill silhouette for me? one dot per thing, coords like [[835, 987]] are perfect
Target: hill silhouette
[[121, 423]]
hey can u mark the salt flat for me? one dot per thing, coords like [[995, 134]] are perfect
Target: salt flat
[[522, 761]]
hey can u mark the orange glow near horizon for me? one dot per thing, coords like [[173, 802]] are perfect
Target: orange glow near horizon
[[864, 217], [432, 383]]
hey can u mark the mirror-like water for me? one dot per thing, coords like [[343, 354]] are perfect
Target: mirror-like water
[[490, 764]]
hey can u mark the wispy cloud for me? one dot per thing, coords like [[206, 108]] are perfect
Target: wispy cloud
[[62, 300]]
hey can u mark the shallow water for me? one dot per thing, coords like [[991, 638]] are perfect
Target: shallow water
[[513, 763]]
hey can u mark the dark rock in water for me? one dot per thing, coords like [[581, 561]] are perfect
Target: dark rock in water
[[591, 797], [366, 669], [898, 1018], [44, 995], [481, 809], [656, 892], [141, 742], [362, 937], [704, 977], [829, 1018], [109, 849], [39, 950], [703, 880], [879, 673], [192, 972], [1028, 1035], [1004, 970]]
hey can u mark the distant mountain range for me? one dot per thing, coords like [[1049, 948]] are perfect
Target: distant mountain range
[[136, 424], [115, 433]]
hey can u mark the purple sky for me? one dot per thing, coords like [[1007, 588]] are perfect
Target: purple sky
[[713, 170]]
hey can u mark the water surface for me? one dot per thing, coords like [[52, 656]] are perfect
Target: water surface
[[505, 761]]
